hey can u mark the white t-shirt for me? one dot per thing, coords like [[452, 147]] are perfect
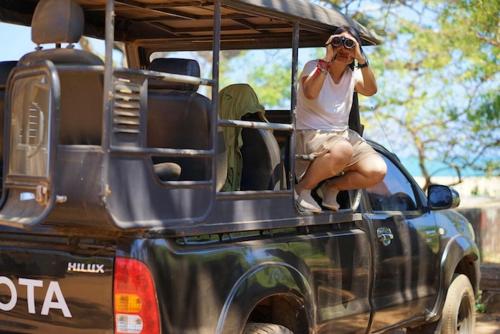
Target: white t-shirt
[[330, 110]]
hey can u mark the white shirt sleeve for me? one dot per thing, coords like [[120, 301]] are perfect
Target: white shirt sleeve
[[308, 68]]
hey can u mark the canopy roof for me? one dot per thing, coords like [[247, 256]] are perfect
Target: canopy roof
[[188, 24]]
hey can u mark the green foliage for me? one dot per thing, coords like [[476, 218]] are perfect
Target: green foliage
[[438, 76], [272, 84], [480, 306]]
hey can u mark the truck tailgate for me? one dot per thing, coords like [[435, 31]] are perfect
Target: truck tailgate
[[55, 285]]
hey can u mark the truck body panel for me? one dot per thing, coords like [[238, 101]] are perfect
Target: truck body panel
[[51, 284]]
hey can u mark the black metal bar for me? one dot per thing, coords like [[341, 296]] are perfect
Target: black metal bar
[[255, 125], [167, 77], [161, 152], [215, 89], [293, 100], [253, 194], [69, 68], [181, 229], [108, 88], [186, 184]]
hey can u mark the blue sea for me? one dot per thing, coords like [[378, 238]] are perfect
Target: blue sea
[[411, 164]]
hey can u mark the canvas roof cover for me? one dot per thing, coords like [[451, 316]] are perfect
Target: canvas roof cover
[[188, 24]]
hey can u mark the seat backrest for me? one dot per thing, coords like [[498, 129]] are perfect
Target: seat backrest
[[62, 21], [81, 107], [262, 168], [179, 117]]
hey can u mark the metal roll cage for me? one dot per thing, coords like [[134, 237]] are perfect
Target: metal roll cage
[[111, 74]]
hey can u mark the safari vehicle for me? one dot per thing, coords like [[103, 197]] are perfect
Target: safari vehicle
[[113, 218]]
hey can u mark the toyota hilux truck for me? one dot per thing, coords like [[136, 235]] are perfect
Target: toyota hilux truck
[[114, 217]]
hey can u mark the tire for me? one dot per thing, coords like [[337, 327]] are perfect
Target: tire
[[459, 304], [261, 328], [458, 316]]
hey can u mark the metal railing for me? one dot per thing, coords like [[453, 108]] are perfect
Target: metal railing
[[140, 78]]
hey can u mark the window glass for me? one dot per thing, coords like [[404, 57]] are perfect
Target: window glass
[[394, 193]]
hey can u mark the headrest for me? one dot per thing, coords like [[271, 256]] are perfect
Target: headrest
[[175, 66], [5, 68], [57, 21]]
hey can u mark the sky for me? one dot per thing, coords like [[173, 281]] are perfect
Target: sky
[[15, 41]]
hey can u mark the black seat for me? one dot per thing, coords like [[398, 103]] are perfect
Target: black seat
[[62, 21], [261, 163], [179, 117], [262, 169]]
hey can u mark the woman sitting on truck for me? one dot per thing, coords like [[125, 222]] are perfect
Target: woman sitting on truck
[[324, 101]]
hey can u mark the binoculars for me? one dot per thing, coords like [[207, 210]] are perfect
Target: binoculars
[[341, 40]]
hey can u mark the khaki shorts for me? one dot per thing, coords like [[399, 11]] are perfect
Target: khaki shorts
[[315, 143]]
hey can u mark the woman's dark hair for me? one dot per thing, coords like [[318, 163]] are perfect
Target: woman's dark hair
[[351, 31]]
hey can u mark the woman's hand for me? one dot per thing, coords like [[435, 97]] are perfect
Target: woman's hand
[[331, 53], [357, 53]]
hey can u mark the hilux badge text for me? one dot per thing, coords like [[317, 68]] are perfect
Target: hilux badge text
[[53, 292], [85, 268]]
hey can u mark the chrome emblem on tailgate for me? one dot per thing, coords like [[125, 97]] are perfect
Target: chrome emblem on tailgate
[[85, 268]]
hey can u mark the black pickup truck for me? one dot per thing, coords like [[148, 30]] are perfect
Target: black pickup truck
[[113, 218]]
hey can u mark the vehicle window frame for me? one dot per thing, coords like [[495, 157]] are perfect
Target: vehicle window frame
[[420, 199]]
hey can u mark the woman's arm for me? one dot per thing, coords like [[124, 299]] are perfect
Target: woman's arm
[[312, 83], [366, 84]]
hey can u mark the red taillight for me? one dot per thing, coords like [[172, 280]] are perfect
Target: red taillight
[[135, 302]]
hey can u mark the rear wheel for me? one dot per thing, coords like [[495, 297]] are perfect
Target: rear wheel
[[458, 315], [262, 328]]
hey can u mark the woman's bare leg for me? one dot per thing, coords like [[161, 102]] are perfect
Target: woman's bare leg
[[326, 166], [364, 174]]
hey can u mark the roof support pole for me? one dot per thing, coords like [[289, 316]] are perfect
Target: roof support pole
[[108, 88], [215, 88], [108, 72], [293, 100]]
